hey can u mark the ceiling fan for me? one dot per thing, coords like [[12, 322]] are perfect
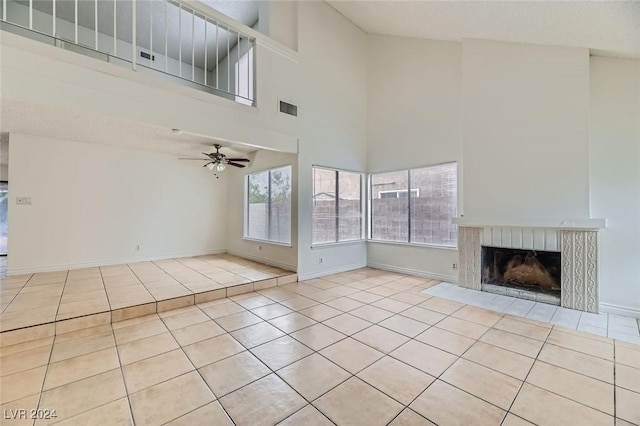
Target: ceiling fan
[[218, 161]]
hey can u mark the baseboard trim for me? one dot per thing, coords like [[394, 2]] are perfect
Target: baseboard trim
[[264, 260], [625, 311], [93, 264], [324, 273], [414, 272]]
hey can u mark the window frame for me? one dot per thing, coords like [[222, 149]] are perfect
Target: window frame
[[245, 231], [409, 201], [363, 205]]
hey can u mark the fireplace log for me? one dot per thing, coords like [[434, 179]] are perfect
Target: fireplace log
[[530, 272]]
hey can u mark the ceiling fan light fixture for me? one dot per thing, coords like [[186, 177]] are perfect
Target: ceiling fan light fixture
[[220, 167], [211, 166]]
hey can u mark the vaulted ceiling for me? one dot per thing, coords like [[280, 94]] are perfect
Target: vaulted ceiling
[[606, 27]]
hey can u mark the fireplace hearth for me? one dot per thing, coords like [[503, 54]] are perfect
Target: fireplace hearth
[[525, 270]]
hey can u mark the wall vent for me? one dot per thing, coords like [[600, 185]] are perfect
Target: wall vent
[[288, 108], [148, 56]]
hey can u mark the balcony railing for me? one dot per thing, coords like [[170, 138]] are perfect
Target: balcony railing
[[163, 37]]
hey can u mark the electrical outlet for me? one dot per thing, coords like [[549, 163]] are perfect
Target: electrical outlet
[[137, 247], [454, 266], [320, 260], [23, 200]]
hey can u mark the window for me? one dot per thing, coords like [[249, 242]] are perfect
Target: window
[[425, 216], [401, 193], [244, 78], [337, 206], [268, 205]]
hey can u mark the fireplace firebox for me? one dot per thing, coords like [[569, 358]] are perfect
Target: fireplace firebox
[[526, 270]]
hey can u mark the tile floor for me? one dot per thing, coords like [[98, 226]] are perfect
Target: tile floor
[[127, 289], [609, 325], [365, 347]]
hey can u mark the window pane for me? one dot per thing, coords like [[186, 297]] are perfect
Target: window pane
[[389, 209], [258, 200], [324, 206], [280, 215], [350, 206], [244, 73], [433, 205]]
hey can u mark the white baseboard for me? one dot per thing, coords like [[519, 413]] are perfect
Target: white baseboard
[[93, 264], [264, 260], [325, 272], [414, 272], [625, 311]]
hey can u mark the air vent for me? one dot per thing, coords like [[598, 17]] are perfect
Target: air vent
[[146, 55], [288, 108]]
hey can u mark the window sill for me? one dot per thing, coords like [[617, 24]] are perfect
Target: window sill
[[419, 245], [340, 243], [275, 243]]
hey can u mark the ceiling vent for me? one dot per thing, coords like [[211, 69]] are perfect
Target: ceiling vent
[[288, 108]]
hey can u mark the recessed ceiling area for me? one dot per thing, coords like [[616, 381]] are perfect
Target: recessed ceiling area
[[607, 28], [54, 123]]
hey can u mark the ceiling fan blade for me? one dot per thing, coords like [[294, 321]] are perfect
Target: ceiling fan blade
[[201, 159], [238, 159], [212, 156], [210, 162], [231, 163]]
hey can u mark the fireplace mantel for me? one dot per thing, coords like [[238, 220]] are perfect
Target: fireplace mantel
[[560, 224]]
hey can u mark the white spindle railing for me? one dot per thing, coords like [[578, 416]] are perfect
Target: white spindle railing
[[65, 18]]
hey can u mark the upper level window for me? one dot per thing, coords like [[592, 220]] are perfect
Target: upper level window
[[337, 206], [426, 216], [268, 205], [244, 78]]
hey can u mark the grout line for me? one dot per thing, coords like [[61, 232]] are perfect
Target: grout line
[[351, 375], [181, 348], [615, 386]]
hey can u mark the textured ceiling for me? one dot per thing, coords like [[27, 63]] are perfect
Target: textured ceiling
[[54, 123], [605, 27]]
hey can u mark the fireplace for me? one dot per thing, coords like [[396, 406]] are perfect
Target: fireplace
[[568, 250], [529, 274]]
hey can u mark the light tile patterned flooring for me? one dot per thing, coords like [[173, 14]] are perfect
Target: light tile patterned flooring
[[42, 298], [365, 347], [609, 325]]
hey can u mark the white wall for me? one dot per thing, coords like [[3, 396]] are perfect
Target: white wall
[[525, 118], [4, 172], [413, 120], [279, 20], [92, 204], [615, 178], [332, 119], [275, 254]]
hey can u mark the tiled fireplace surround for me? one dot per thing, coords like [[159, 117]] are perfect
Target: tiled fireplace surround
[[577, 241]]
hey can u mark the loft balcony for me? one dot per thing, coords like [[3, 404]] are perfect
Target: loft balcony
[[185, 44]]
